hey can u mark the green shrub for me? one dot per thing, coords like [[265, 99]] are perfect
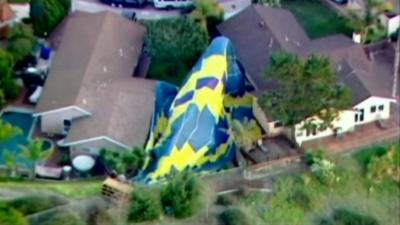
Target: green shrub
[[33, 204], [181, 196], [64, 218], [10, 216], [301, 198], [347, 217], [224, 200], [234, 216], [145, 207]]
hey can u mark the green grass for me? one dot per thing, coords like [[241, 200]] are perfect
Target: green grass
[[72, 189], [316, 201], [317, 19]]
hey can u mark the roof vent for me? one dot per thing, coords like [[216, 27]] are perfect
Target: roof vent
[[286, 38], [271, 41], [298, 44], [121, 52], [105, 69], [339, 68], [84, 101], [261, 24]]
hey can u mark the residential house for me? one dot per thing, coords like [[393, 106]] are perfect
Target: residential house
[[90, 95], [260, 31]]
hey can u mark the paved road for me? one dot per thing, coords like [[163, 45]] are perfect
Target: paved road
[[231, 7]]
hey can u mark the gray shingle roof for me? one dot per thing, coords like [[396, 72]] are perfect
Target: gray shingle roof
[[259, 31], [93, 70]]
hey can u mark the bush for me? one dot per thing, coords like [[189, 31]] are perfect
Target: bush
[[224, 200], [10, 216], [346, 217], [33, 204], [64, 218], [145, 207], [180, 197], [301, 198], [234, 216]]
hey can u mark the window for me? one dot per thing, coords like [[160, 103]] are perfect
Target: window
[[373, 109], [300, 133], [361, 115], [314, 130], [380, 108], [356, 117], [278, 124]]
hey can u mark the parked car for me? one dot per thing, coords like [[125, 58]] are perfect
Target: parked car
[[340, 2], [125, 3], [172, 4]]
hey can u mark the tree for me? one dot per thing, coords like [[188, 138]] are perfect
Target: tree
[[180, 196], [127, 162], [35, 153], [10, 216], [8, 131], [244, 133], [10, 161], [174, 45], [21, 41], [209, 13], [47, 14], [307, 88], [145, 206], [367, 23], [270, 3], [8, 88], [234, 216]]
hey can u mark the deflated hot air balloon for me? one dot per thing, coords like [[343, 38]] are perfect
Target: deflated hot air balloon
[[191, 125]]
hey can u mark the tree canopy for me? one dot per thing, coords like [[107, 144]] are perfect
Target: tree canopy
[[209, 13], [307, 87], [21, 41], [181, 195], [47, 14], [174, 45]]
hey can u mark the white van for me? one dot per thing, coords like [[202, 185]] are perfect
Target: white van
[[170, 4]]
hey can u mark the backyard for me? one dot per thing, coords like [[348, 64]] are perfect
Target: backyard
[[317, 19]]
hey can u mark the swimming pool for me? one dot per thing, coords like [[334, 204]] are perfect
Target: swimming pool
[[25, 121]]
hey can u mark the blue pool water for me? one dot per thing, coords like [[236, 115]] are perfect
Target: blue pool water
[[25, 122]]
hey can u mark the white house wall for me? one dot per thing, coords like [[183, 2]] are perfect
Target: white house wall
[[378, 114], [94, 147], [343, 123], [53, 122]]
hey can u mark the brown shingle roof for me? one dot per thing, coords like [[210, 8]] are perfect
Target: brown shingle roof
[[93, 70]]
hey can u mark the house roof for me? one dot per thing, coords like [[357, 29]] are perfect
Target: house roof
[[121, 111], [93, 69], [6, 13], [259, 31]]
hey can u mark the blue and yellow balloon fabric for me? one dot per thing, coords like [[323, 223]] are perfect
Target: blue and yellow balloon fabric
[[190, 125]]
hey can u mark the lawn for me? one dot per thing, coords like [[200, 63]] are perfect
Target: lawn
[[317, 19], [301, 199], [72, 189]]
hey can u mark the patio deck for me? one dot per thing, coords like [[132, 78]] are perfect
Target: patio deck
[[277, 147]]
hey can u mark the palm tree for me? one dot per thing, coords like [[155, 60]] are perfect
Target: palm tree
[[10, 161], [8, 131], [244, 134], [34, 152]]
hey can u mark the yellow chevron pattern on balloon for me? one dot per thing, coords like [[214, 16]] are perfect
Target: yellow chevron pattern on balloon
[[190, 124]]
